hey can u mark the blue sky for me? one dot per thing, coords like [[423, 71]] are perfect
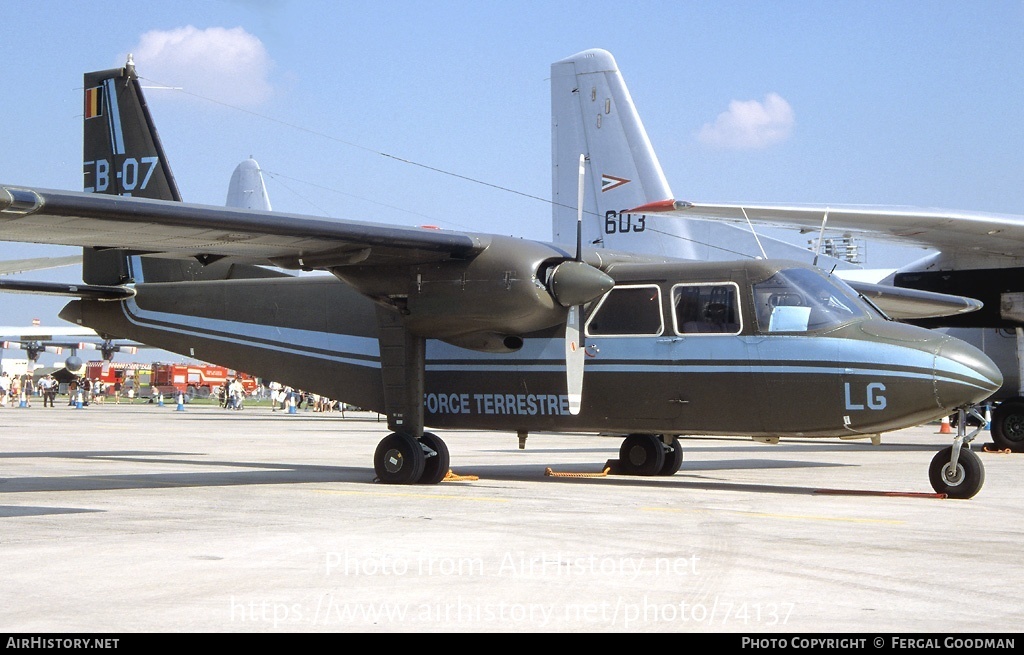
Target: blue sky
[[910, 103]]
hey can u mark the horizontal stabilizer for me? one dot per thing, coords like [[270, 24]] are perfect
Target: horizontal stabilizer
[[908, 304], [87, 291]]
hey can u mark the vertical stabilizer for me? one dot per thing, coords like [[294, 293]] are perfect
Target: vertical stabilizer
[[592, 113], [122, 156], [247, 189]]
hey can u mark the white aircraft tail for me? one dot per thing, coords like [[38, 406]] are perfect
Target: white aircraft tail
[[247, 189], [592, 113]]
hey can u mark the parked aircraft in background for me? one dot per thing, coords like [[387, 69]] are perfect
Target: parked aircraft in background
[[468, 330], [975, 280], [69, 339]]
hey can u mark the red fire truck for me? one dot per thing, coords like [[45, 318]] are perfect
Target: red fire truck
[[111, 373], [194, 380]]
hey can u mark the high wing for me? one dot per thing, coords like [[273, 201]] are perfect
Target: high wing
[[204, 232], [995, 235]]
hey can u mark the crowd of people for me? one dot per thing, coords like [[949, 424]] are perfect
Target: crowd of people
[[23, 389]]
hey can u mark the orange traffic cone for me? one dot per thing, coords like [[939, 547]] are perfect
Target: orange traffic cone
[[945, 429]]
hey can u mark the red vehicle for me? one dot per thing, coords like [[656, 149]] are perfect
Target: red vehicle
[[112, 372], [194, 380]]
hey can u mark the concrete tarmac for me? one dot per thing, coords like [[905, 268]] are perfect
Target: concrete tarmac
[[138, 518]]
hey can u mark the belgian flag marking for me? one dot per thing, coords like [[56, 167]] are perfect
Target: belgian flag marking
[[94, 102]]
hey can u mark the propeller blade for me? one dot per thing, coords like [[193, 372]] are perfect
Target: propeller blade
[[574, 347], [574, 357], [579, 210]]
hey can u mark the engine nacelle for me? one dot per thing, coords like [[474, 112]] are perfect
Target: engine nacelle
[[484, 303]]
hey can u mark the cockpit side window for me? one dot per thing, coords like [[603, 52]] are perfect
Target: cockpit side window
[[628, 311], [706, 308], [801, 300]]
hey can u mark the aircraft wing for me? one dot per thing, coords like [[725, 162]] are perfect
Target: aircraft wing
[[943, 229], [905, 304], [45, 333], [37, 264], [154, 226]]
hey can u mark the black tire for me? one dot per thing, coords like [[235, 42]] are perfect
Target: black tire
[[963, 483], [399, 459], [673, 460], [641, 454], [436, 466], [1008, 425]]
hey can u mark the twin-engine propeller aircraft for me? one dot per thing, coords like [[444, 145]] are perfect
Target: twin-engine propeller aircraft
[[481, 331], [37, 339]]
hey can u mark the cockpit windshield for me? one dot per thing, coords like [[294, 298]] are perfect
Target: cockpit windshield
[[801, 300]]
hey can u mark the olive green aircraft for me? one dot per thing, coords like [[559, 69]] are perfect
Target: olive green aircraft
[[453, 330]]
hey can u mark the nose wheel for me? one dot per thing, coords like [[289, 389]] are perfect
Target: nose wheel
[[962, 479], [957, 471]]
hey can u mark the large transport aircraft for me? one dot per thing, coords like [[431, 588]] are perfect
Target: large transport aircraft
[[457, 330], [630, 207]]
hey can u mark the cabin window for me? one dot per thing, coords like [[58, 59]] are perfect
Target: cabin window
[[801, 300], [706, 308], [628, 311]]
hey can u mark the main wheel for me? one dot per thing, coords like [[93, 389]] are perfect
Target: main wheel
[[641, 454], [399, 459], [964, 481], [436, 466], [673, 460], [1008, 425]]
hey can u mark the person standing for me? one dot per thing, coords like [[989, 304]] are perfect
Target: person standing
[[15, 390], [29, 387], [72, 392], [237, 393], [5, 387], [48, 387]]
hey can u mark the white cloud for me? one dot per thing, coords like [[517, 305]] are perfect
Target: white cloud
[[228, 65], [750, 124]]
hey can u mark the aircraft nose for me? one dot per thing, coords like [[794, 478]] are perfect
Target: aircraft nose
[[963, 374]]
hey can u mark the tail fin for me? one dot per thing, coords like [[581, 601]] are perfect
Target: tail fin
[[123, 156], [593, 113], [247, 189]]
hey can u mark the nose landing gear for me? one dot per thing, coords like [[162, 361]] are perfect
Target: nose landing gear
[[957, 471]]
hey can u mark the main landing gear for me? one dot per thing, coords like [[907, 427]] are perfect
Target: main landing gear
[[402, 459], [650, 454], [957, 471]]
